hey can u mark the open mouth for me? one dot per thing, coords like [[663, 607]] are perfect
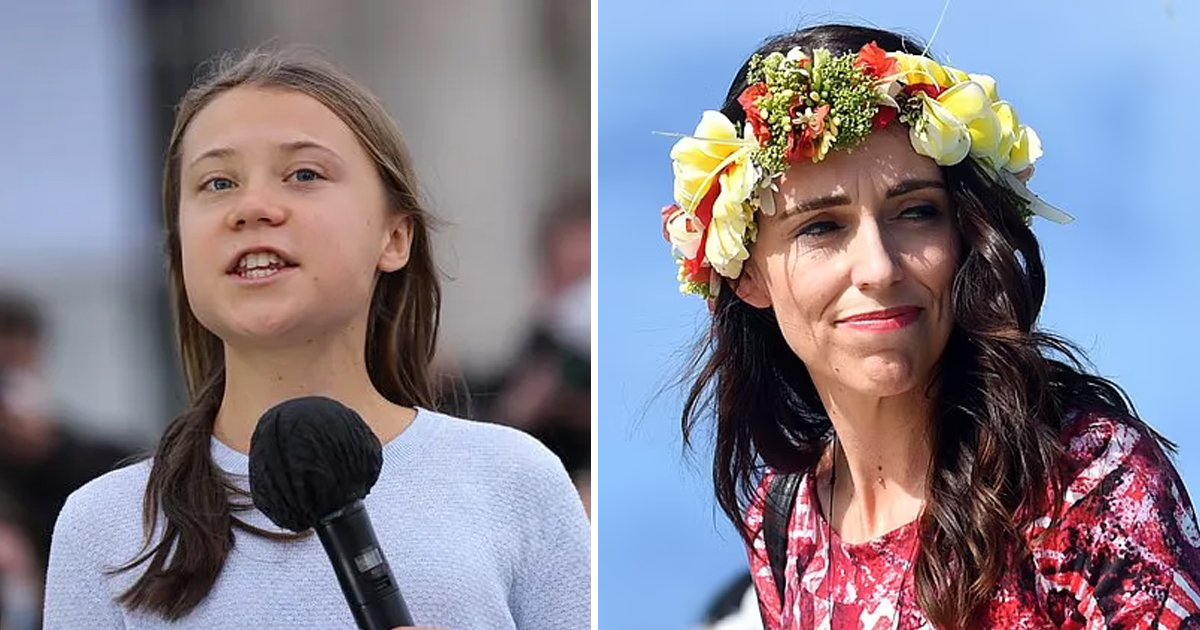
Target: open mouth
[[259, 265]]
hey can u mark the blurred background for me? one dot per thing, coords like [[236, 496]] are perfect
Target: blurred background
[[494, 99], [1108, 88]]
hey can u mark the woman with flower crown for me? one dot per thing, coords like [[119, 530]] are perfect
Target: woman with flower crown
[[899, 442]]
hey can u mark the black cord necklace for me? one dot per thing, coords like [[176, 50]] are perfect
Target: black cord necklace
[[829, 550]]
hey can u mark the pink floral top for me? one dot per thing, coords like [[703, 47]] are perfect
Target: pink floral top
[[1127, 553]]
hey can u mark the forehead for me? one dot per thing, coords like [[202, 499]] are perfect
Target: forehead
[[884, 159], [248, 115]]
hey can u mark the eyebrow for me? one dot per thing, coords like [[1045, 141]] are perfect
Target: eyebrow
[[834, 200], [286, 147]]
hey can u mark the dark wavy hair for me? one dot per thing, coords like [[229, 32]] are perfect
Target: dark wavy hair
[[196, 501], [1004, 386]]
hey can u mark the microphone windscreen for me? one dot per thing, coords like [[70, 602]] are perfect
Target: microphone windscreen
[[309, 457]]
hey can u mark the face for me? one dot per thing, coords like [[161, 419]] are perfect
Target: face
[[283, 219], [858, 264]]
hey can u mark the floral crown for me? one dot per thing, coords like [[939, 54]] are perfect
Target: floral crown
[[800, 107]]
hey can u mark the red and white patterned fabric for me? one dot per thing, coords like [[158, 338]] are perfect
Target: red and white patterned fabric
[[1125, 555]]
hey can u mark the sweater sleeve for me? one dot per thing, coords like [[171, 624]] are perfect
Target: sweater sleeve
[[76, 596], [552, 582], [1127, 551]]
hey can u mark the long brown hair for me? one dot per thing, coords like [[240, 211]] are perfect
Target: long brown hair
[[185, 487], [1005, 387]]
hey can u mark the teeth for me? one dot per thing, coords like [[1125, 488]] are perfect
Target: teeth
[[260, 260], [259, 273]]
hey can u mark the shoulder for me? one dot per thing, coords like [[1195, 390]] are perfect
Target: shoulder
[[1125, 538], [505, 468], [100, 524], [507, 474], [1104, 455], [494, 449], [1121, 490], [781, 494], [110, 499], [1092, 435], [776, 526], [98, 530]]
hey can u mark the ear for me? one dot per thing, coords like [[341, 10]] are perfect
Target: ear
[[751, 290], [398, 245]]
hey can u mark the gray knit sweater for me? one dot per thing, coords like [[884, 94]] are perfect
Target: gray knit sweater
[[479, 522]]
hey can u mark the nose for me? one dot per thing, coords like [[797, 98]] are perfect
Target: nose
[[875, 261], [255, 206]]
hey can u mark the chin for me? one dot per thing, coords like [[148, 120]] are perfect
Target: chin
[[884, 375], [256, 329]]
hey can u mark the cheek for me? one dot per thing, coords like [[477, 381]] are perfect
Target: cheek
[[935, 264], [934, 267], [345, 245], [801, 289], [201, 280], [196, 255]]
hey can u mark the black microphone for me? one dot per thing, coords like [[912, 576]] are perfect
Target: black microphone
[[312, 460]]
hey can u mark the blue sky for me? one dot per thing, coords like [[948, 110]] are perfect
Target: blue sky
[[1109, 90]]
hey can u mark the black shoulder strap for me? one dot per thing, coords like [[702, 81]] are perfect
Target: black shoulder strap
[[781, 501]]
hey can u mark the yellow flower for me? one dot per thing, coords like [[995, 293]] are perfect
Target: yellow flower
[[715, 155], [1026, 150], [699, 159], [956, 76], [919, 69], [1010, 126], [968, 102], [989, 86], [732, 216], [939, 135]]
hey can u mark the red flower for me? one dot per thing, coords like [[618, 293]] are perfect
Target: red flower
[[804, 142], [875, 63], [694, 268], [705, 209], [932, 90], [884, 117], [695, 271], [749, 102]]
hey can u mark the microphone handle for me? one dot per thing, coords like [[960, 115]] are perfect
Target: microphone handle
[[362, 570]]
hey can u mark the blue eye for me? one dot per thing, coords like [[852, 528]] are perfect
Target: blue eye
[[818, 228], [217, 184], [921, 212], [306, 175]]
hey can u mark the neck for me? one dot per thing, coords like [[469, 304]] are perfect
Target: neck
[[259, 378], [883, 458]]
